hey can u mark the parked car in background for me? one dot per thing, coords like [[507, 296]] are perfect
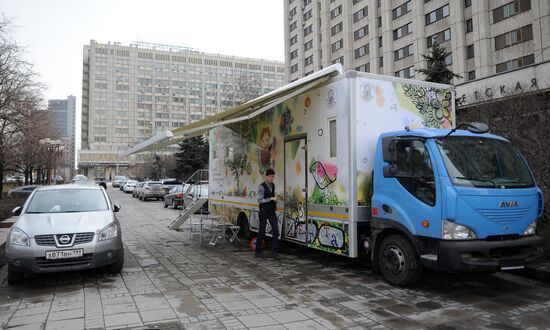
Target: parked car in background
[[151, 189], [79, 178], [195, 192], [62, 228], [174, 198], [15, 179], [137, 189], [129, 185], [23, 191], [118, 180], [58, 179], [168, 184]]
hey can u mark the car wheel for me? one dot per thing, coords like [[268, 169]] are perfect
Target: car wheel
[[15, 277], [117, 266], [174, 206], [165, 205], [398, 262]]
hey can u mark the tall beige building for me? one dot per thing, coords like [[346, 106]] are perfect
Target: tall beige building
[[130, 93], [484, 37]]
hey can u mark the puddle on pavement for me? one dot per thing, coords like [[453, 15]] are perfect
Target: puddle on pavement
[[428, 305], [190, 306], [336, 320]]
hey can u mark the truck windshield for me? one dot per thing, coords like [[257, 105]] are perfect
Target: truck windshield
[[484, 163]]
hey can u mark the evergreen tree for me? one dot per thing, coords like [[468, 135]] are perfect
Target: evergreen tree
[[437, 70], [193, 156]]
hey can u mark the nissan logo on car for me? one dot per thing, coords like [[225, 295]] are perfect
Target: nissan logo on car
[[508, 204], [64, 239]]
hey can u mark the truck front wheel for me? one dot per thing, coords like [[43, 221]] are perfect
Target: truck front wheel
[[398, 261]]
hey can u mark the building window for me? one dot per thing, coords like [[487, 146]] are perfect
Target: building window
[[405, 73], [307, 15], [308, 45], [379, 21], [469, 25], [363, 68], [515, 63], [361, 51], [308, 60], [293, 40], [380, 44], [470, 51], [336, 29], [514, 37], [402, 31], [358, 34], [293, 26], [438, 38], [437, 14], [472, 75], [449, 59], [381, 61], [307, 2], [339, 60], [294, 68], [403, 52], [333, 137], [402, 10], [467, 3], [336, 12], [294, 54], [360, 14], [337, 45], [308, 30], [511, 9], [356, 1], [292, 12]]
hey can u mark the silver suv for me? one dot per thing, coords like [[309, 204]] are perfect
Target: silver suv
[[64, 227]]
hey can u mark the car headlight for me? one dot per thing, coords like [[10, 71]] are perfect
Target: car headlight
[[451, 230], [18, 237], [110, 231], [531, 229]]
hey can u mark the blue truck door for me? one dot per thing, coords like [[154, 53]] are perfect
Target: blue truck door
[[409, 197]]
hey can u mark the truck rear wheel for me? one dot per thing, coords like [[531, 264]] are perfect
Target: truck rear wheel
[[398, 262]]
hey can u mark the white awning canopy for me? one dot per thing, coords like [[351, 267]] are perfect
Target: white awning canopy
[[242, 112]]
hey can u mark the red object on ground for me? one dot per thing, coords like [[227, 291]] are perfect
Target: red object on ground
[[253, 244]]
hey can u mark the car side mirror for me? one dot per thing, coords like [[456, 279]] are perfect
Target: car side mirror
[[390, 171], [116, 207], [16, 210]]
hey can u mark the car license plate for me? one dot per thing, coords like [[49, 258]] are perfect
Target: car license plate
[[64, 254]]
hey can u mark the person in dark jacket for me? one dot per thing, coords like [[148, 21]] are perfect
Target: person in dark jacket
[[268, 205]]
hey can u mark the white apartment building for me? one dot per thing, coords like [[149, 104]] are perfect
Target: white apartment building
[[130, 93], [484, 37]]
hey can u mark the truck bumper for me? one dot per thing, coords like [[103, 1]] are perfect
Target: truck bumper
[[486, 256]]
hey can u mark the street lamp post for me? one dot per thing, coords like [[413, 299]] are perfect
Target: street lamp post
[[51, 145]]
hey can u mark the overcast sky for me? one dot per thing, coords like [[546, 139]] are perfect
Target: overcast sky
[[55, 31]]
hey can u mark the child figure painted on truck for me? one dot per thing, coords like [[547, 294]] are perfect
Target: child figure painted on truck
[[267, 145]]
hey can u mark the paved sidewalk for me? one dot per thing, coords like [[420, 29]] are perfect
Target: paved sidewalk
[[171, 282]]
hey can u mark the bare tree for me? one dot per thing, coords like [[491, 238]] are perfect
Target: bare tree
[[19, 96]]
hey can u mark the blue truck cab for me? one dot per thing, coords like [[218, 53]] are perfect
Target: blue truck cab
[[452, 200]]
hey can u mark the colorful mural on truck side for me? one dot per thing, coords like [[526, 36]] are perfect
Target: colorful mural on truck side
[[385, 106], [240, 154]]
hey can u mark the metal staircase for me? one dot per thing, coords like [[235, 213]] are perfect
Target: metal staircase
[[198, 180]]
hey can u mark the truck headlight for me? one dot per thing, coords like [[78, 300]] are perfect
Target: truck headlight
[[451, 230], [18, 237], [110, 231], [531, 229]]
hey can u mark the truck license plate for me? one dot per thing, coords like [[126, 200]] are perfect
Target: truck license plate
[[64, 254]]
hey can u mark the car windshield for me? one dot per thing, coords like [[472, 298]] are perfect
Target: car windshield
[[67, 200], [131, 182], [484, 162]]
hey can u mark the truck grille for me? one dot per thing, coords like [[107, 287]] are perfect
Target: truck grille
[[49, 240], [44, 263], [504, 216]]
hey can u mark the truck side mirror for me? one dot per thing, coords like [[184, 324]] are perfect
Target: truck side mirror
[[390, 171], [388, 148]]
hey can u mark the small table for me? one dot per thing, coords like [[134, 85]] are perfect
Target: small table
[[198, 221], [221, 231]]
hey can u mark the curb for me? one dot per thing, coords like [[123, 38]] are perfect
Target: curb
[[540, 270]]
